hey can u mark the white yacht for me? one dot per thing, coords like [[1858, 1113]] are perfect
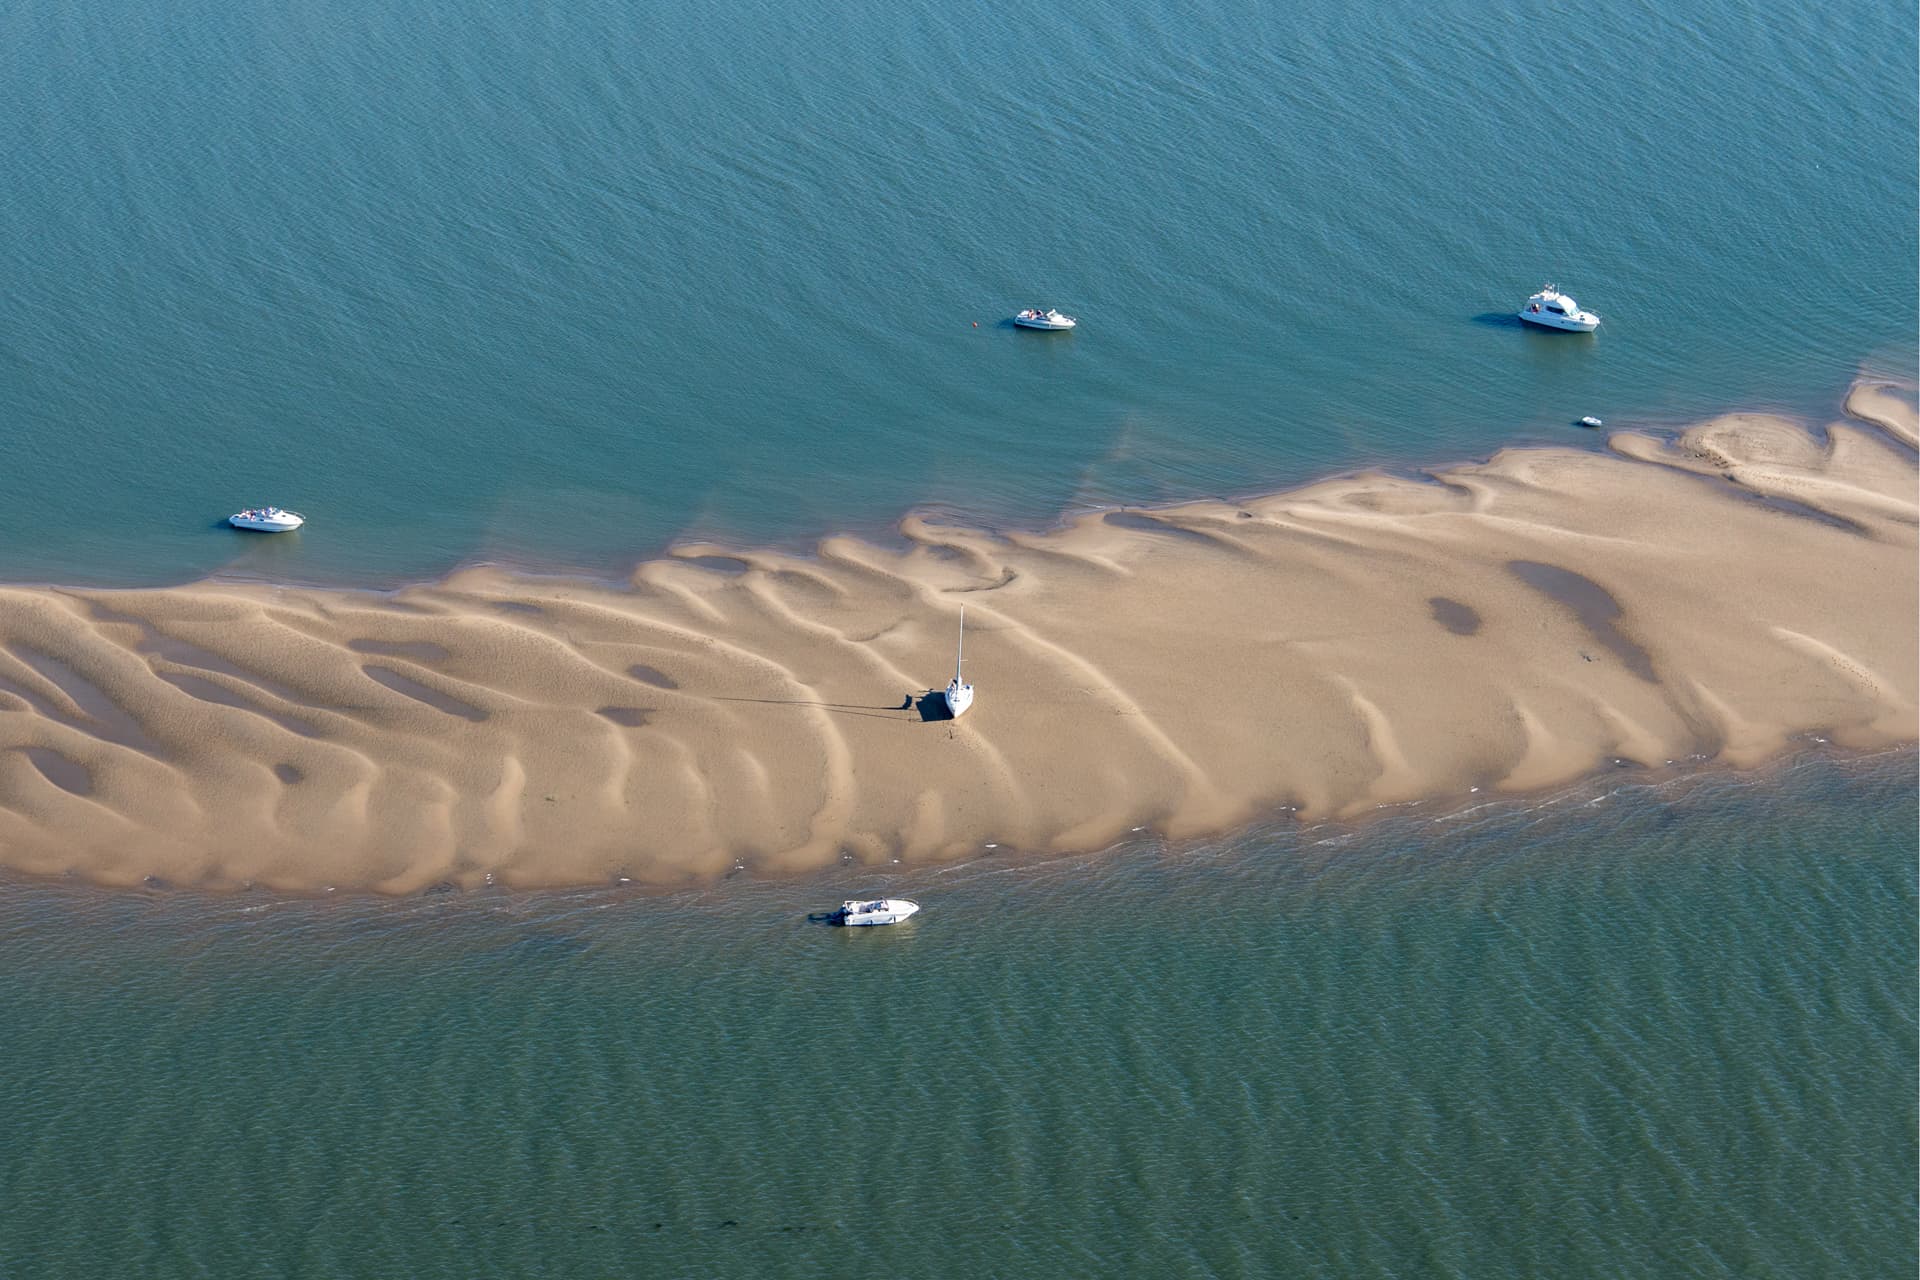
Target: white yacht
[[864, 911], [1551, 309], [266, 519], [959, 696], [1035, 318]]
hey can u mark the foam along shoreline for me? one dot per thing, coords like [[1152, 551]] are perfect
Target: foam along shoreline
[[1509, 625]]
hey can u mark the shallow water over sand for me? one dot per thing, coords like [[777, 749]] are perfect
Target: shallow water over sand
[[559, 287], [1645, 1027]]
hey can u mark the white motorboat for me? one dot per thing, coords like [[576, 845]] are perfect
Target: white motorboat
[[866, 911], [1551, 309], [959, 696], [1035, 318], [266, 519], [1590, 421]]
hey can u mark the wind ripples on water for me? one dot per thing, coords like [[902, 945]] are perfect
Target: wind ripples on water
[[559, 286], [435, 277], [1670, 1032]]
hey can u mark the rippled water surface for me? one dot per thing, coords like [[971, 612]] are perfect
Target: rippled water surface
[[562, 283], [559, 284], [1647, 1028]]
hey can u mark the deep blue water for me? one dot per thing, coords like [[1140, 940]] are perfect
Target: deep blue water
[[560, 284]]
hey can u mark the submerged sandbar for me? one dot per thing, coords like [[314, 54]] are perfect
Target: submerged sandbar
[[1368, 640]]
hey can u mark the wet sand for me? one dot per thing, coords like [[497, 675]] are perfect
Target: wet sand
[[1369, 640]]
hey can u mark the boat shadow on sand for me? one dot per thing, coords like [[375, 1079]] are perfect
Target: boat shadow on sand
[[929, 706], [932, 705]]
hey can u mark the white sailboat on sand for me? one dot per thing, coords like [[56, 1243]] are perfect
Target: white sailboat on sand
[[959, 696]]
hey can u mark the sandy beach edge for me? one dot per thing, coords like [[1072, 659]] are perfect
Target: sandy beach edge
[[1509, 625]]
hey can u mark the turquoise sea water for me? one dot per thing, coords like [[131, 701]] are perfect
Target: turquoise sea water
[[562, 283], [559, 285], [1643, 1029]]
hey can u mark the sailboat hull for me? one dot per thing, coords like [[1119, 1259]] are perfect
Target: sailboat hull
[[959, 695], [958, 698]]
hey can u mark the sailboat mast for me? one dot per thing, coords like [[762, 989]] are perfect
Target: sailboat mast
[[960, 648]]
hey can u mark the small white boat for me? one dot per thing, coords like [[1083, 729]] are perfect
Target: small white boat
[[1589, 421], [266, 519], [959, 696], [866, 911], [1035, 318], [1551, 309]]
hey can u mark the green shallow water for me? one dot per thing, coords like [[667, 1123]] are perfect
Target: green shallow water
[[1642, 1028]]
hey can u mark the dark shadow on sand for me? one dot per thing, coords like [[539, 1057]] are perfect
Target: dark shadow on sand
[[929, 706], [1144, 523], [1461, 619], [838, 708], [1592, 604]]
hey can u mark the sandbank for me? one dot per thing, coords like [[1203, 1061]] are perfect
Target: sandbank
[[1369, 640]]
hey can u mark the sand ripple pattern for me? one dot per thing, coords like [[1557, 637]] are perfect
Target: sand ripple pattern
[[1186, 669]]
